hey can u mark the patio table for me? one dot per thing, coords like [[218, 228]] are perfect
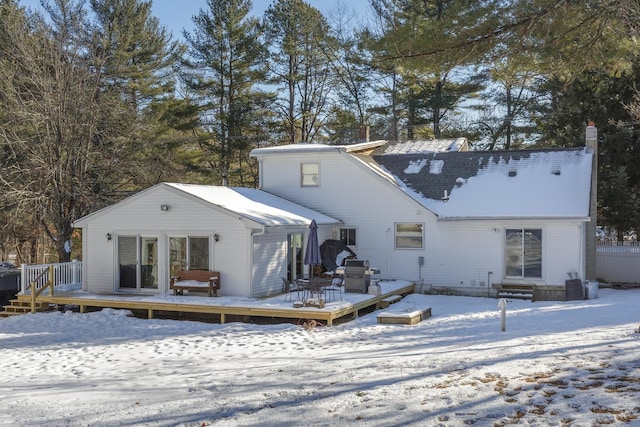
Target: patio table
[[314, 288]]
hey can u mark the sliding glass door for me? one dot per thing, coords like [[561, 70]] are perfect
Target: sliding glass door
[[523, 253], [294, 256], [138, 262]]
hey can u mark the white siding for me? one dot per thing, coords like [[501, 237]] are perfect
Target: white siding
[[563, 251], [142, 216], [269, 263], [462, 253], [352, 194], [466, 251]]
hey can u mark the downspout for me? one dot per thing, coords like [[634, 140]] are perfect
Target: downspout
[[389, 243], [583, 244], [263, 231]]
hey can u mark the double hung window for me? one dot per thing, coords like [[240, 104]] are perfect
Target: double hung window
[[310, 175]]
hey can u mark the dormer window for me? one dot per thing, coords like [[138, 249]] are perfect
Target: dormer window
[[310, 175]]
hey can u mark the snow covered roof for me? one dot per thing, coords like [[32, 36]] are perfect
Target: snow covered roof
[[425, 146], [313, 147], [377, 147], [259, 206], [496, 184], [295, 148]]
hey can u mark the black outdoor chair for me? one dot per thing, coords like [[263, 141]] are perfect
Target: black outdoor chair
[[335, 286], [288, 288]]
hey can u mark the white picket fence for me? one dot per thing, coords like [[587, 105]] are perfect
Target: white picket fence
[[64, 273], [618, 263]]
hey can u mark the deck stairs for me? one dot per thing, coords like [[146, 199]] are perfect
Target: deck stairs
[[515, 291], [22, 305]]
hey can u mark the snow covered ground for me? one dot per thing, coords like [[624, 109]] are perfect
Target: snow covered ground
[[573, 363]]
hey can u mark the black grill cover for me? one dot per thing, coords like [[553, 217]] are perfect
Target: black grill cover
[[329, 251]]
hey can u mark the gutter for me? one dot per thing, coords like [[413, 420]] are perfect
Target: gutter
[[514, 218]]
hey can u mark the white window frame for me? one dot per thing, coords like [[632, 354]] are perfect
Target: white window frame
[[522, 252], [400, 234], [309, 174], [348, 230]]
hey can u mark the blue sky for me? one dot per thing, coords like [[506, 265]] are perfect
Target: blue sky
[[176, 14]]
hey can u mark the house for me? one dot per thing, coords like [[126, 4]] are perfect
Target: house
[[448, 219], [250, 236], [454, 221]]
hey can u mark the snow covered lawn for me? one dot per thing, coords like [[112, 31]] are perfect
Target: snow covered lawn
[[573, 363]]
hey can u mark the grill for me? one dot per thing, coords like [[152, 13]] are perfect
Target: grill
[[355, 278]]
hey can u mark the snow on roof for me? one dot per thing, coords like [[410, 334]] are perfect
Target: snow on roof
[[426, 146], [380, 146], [313, 147], [257, 205], [295, 148], [523, 184]]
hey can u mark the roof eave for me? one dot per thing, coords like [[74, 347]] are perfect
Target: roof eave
[[514, 218]]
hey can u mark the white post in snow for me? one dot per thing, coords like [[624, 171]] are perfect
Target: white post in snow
[[591, 141], [502, 305]]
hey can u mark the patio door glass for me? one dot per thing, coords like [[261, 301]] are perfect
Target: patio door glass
[[523, 253], [294, 256], [138, 262], [188, 253]]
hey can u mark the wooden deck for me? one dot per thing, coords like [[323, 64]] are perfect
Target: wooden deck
[[223, 309]]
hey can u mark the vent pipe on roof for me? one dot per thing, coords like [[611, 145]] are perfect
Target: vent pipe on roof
[[591, 141], [225, 180], [363, 133]]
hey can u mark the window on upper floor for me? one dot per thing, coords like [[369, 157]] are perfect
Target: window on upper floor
[[310, 175]]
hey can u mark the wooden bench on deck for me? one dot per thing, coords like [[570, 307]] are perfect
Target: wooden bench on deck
[[197, 281]]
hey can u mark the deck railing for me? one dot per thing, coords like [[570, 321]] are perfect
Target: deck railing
[[64, 273]]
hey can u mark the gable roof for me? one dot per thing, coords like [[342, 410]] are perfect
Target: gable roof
[[260, 207], [495, 184], [256, 205]]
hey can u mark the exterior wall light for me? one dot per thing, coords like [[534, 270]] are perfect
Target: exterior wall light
[[164, 208], [108, 237], [216, 237]]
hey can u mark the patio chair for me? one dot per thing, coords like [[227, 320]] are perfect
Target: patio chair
[[288, 288], [335, 286]]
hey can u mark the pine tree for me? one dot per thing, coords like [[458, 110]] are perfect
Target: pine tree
[[430, 86], [297, 36], [137, 58], [225, 63]]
